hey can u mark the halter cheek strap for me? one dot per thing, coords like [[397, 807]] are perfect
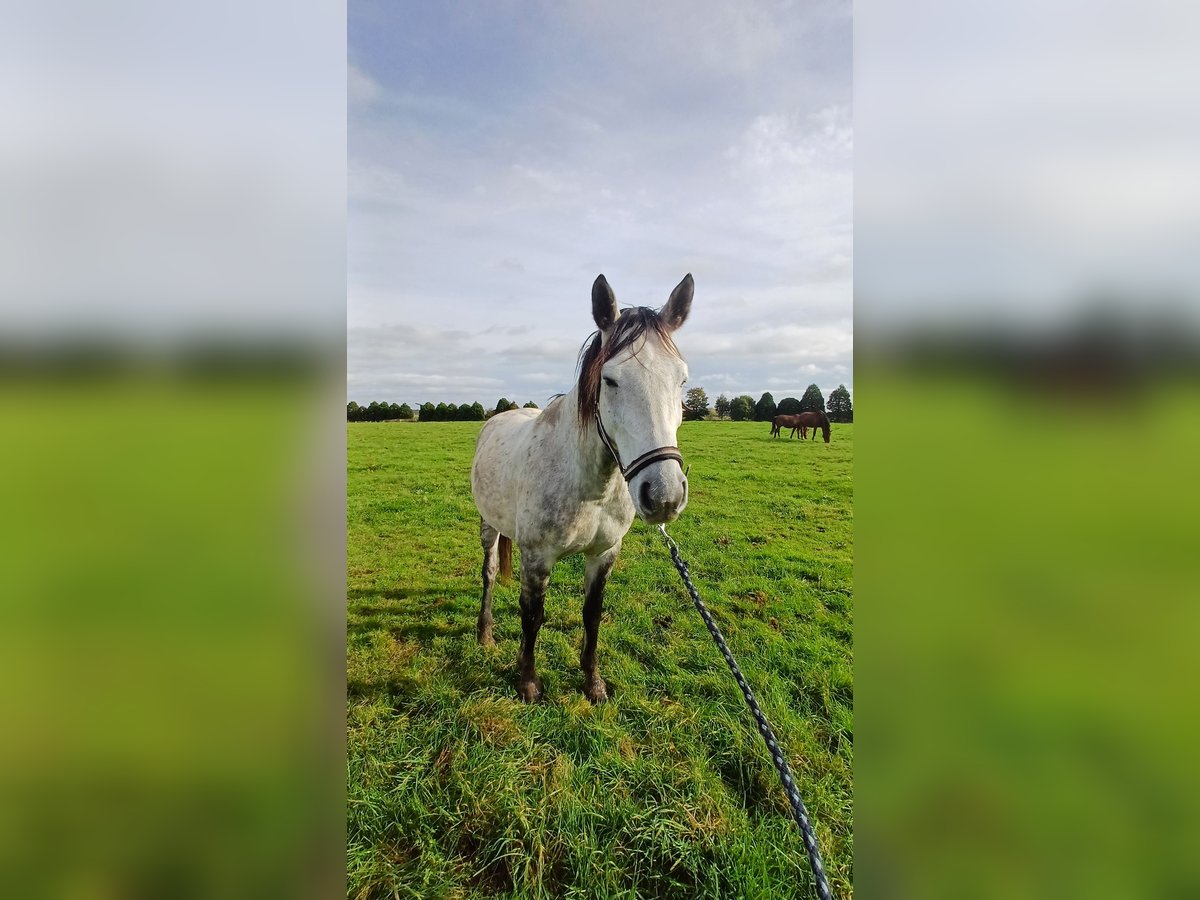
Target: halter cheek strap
[[656, 455]]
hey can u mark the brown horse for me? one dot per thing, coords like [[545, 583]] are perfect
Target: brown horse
[[792, 422], [814, 420], [784, 422]]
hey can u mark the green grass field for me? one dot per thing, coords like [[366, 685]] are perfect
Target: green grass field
[[456, 789]]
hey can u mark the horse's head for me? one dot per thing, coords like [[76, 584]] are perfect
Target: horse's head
[[634, 381]]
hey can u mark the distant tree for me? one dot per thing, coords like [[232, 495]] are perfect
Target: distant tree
[[840, 408], [504, 405], [406, 411], [352, 411], [722, 406], [530, 405], [696, 404], [440, 412], [394, 411], [428, 413], [478, 413], [764, 409], [741, 409], [788, 406], [813, 400]]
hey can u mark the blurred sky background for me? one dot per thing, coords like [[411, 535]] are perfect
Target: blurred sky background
[[503, 155], [1025, 164], [165, 173]]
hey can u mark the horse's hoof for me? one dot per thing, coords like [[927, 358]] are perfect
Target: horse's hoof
[[530, 691], [596, 691]]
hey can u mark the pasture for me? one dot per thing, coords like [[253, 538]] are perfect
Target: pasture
[[457, 789]]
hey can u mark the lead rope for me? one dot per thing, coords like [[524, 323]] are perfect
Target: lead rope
[[764, 727]]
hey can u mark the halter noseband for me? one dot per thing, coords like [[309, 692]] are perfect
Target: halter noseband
[[656, 455]]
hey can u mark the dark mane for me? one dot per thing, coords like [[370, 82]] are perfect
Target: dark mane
[[633, 323]]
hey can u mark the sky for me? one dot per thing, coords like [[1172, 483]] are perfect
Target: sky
[[502, 155]]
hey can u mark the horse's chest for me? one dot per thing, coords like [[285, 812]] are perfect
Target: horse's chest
[[609, 524], [587, 526]]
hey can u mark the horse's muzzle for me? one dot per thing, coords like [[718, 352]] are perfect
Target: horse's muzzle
[[659, 492]]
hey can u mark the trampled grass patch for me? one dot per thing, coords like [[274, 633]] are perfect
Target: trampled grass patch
[[456, 789]]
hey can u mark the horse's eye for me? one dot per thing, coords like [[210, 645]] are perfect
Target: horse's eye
[[609, 382]]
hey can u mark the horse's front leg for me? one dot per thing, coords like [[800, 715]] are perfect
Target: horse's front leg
[[535, 575], [598, 568]]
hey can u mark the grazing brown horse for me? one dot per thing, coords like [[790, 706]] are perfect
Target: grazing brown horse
[[814, 420], [785, 422]]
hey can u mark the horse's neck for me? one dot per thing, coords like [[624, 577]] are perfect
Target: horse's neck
[[582, 447]]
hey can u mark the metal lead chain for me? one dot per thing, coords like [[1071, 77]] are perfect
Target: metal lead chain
[[764, 727]]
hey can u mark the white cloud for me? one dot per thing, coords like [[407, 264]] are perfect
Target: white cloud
[[361, 89], [548, 181]]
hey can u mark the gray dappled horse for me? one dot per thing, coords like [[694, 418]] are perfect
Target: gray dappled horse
[[551, 479]]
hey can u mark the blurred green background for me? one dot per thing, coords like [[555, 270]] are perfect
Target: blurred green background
[[172, 709], [1026, 571]]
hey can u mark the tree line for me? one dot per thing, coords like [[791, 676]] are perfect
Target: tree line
[[696, 406], [428, 412], [744, 409]]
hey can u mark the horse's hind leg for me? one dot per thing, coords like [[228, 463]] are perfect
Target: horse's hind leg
[[535, 575], [598, 568], [489, 537]]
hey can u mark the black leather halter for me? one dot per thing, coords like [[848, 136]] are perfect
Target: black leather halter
[[656, 455]]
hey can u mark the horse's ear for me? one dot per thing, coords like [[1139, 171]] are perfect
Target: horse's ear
[[676, 311], [604, 304]]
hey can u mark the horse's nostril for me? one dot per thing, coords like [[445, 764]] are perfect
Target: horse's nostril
[[647, 503]]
